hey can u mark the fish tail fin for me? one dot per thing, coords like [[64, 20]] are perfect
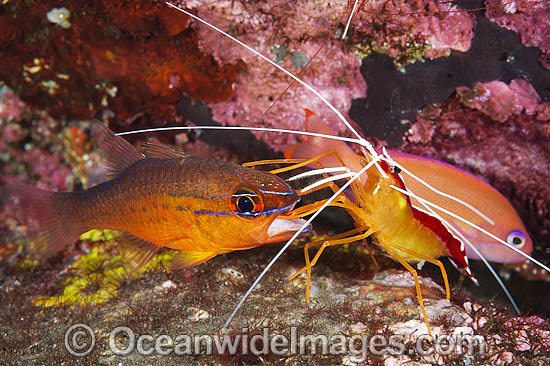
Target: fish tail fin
[[47, 231]]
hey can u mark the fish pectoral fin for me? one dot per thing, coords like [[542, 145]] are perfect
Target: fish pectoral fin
[[156, 151], [137, 252], [117, 154], [186, 259]]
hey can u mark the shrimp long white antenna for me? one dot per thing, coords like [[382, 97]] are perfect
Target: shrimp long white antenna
[[327, 180], [350, 18], [287, 244], [388, 158], [479, 228], [315, 134], [437, 191], [361, 141], [427, 204], [242, 128], [311, 173], [279, 67]]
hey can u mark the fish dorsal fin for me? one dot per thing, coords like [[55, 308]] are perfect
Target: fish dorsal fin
[[117, 154], [156, 151]]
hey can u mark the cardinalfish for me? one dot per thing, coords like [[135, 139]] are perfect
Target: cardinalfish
[[199, 206], [388, 188]]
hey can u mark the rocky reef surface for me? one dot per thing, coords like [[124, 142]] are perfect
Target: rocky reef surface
[[426, 76]]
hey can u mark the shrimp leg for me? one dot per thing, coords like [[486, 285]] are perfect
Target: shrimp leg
[[313, 207], [432, 261], [390, 249], [305, 210], [341, 201], [327, 243], [273, 161], [330, 239], [298, 163]]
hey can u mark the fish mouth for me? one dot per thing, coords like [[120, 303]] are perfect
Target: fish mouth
[[283, 229]]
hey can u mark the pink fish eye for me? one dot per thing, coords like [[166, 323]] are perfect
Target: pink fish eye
[[516, 238]]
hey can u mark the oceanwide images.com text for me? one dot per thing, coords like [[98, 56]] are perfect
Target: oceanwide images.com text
[[80, 340]]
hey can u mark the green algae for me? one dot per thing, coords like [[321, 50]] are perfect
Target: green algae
[[411, 53], [99, 275]]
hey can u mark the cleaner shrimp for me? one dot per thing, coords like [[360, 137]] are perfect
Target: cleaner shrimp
[[376, 159], [212, 293]]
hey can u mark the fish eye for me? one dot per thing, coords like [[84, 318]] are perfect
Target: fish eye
[[516, 238], [246, 204]]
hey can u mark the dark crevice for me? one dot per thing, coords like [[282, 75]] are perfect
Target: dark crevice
[[394, 97]]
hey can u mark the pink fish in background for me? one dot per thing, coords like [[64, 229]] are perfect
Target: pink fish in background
[[504, 222]]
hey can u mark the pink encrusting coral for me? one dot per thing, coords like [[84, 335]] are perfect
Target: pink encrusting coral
[[26, 157], [306, 28], [287, 31], [434, 27], [500, 101], [529, 18], [11, 106], [339, 80], [46, 170]]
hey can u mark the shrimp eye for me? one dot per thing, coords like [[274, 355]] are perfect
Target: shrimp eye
[[246, 204], [516, 238]]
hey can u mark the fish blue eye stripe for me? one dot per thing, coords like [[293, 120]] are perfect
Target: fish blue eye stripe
[[187, 195], [255, 214], [213, 213], [274, 192]]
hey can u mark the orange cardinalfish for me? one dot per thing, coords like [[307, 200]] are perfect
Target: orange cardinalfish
[[200, 206], [492, 210]]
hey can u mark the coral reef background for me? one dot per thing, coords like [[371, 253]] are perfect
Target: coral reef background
[[428, 77]]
